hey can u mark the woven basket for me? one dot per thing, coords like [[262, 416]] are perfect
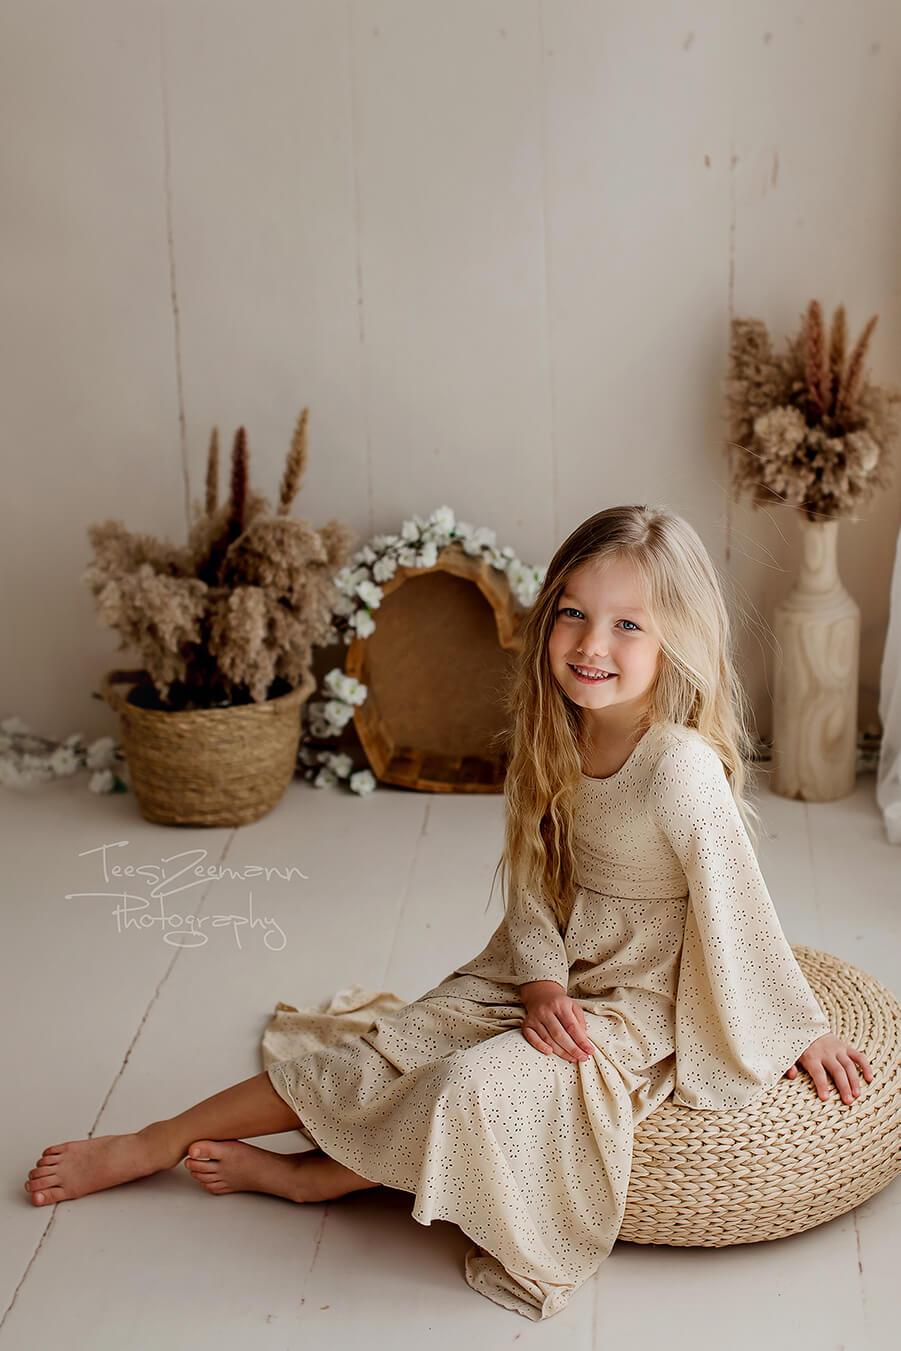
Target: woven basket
[[788, 1161], [208, 766]]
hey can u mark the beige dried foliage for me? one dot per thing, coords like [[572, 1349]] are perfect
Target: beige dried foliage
[[809, 428], [212, 473], [815, 362], [238, 639], [232, 616], [837, 351], [851, 380], [295, 466]]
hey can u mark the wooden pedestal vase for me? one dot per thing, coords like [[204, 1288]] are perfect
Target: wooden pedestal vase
[[817, 628]]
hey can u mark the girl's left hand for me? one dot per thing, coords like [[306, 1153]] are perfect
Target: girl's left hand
[[830, 1053]]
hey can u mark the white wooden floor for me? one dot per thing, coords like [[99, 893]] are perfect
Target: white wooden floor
[[105, 1030]]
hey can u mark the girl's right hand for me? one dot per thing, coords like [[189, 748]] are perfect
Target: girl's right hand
[[555, 1023]]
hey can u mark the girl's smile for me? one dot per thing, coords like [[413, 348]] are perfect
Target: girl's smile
[[600, 677], [602, 627]]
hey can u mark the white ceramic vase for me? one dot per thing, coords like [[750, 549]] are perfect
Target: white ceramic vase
[[815, 695]]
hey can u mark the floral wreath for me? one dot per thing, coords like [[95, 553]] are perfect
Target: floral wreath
[[416, 546]]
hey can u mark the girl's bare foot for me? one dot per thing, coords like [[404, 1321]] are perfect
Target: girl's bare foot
[[77, 1167], [223, 1166]]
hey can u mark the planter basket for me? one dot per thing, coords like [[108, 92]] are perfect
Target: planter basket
[[208, 766]]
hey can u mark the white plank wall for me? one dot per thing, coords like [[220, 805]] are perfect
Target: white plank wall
[[493, 245]]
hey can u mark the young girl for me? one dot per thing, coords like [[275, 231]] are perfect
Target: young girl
[[639, 957]]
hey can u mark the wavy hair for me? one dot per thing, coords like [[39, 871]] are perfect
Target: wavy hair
[[695, 685]]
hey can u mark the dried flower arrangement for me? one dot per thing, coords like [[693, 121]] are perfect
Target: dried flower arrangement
[[231, 617], [812, 430]]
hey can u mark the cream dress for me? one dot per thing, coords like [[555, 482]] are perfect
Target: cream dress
[[688, 985]]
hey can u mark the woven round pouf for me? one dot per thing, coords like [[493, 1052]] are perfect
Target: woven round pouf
[[787, 1161]]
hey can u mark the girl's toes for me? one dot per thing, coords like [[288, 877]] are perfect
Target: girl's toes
[[201, 1150], [41, 1183], [47, 1197], [204, 1174]]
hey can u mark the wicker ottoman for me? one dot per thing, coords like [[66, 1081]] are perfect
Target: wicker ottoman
[[788, 1161]]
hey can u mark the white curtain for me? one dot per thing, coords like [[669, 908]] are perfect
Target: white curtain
[[888, 773]]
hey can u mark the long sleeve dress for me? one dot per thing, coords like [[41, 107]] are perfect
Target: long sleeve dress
[[689, 988]]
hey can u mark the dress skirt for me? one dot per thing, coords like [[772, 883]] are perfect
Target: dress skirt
[[444, 1098]]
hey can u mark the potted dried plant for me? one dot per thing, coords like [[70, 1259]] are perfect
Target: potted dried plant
[[812, 431], [225, 626]]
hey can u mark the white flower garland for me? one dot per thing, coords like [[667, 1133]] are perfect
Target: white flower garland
[[417, 546], [26, 758]]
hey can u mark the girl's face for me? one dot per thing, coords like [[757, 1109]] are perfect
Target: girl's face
[[601, 623]]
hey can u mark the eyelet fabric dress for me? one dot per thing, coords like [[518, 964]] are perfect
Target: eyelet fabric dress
[[689, 988]]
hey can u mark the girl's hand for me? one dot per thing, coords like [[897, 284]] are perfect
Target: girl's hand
[[831, 1053], [556, 1025]]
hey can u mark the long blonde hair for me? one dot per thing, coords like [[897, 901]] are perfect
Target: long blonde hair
[[695, 685]]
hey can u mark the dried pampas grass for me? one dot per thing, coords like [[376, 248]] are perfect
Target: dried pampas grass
[[809, 428], [233, 615]]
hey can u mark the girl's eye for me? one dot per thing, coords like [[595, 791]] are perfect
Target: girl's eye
[[571, 609]]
